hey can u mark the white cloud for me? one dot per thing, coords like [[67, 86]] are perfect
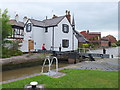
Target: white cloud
[[59, 0], [110, 32], [101, 17]]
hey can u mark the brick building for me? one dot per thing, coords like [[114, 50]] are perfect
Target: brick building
[[108, 40], [93, 37]]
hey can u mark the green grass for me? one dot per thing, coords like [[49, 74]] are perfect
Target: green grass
[[75, 78]]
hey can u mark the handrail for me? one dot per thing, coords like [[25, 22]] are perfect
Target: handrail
[[50, 63], [56, 63], [84, 49], [44, 64]]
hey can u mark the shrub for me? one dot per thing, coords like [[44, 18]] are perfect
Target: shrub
[[114, 45], [6, 53], [118, 43], [85, 45]]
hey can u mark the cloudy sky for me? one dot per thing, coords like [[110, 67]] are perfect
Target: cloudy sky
[[93, 16]]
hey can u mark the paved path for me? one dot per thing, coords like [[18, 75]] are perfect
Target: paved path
[[100, 64]]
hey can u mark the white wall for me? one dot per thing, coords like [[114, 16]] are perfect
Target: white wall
[[38, 37], [75, 43], [48, 38], [60, 35], [27, 36]]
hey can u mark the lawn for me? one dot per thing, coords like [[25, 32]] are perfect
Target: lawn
[[75, 78]]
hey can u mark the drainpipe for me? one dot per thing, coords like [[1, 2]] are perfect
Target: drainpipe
[[73, 41], [53, 39]]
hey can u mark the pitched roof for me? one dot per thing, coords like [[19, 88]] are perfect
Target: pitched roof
[[110, 38], [14, 22], [37, 22], [80, 37], [103, 39], [53, 21], [94, 33], [47, 22]]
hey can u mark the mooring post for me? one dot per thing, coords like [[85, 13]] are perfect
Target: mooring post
[[111, 56], [34, 86]]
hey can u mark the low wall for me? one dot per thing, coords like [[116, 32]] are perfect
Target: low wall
[[26, 60]]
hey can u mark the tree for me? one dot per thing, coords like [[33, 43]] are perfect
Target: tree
[[118, 43], [5, 27], [5, 31]]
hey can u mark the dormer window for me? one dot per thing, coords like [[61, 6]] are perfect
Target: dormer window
[[65, 28], [28, 27]]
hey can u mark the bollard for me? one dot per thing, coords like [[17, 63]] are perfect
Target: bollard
[[34, 86], [111, 56], [101, 55]]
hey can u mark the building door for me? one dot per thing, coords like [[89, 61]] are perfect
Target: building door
[[30, 45]]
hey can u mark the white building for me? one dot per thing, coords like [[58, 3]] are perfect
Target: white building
[[54, 33]]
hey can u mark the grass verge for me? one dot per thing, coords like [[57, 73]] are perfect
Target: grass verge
[[75, 78]]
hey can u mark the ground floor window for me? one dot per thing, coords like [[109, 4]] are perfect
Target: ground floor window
[[65, 43]]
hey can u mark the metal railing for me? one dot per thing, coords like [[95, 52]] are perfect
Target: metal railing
[[50, 60], [84, 50]]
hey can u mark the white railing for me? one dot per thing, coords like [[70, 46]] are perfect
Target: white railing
[[84, 50]]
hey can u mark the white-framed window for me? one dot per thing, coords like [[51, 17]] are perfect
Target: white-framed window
[[28, 27], [65, 28]]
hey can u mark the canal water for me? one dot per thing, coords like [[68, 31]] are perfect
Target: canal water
[[115, 51], [23, 72]]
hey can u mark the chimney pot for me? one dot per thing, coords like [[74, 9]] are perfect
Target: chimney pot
[[17, 17], [25, 19], [54, 16], [87, 31], [68, 16], [46, 17], [66, 12]]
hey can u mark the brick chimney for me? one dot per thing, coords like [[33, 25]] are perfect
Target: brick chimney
[[68, 15]]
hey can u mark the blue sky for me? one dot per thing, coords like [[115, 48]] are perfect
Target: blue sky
[[93, 16]]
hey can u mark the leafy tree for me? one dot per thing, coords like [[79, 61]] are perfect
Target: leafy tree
[[5, 27], [5, 31], [15, 44], [118, 43]]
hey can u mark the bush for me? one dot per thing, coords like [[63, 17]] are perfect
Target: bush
[[118, 43], [86, 45], [114, 45], [6, 53], [17, 52]]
